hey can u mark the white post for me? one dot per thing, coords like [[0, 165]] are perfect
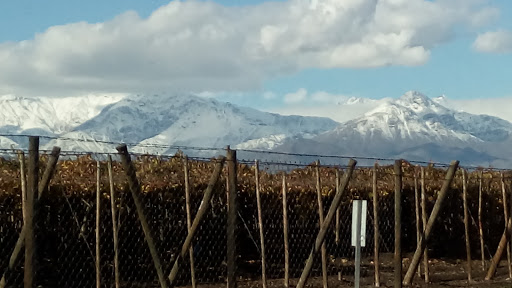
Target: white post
[[358, 234]]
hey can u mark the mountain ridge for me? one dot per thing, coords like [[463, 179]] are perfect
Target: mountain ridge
[[412, 125], [407, 126]]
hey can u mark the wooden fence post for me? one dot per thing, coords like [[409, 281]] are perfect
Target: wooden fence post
[[260, 224], [499, 252], [505, 213], [285, 236], [505, 238], [337, 232], [424, 222], [98, 215], [133, 183], [43, 185], [48, 172], [376, 231], [480, 226], [466, 221], [327, 221], [398, 224], [431, 220], [417, 210], [232, 216], [114, 221], [23, 181], [32, 179], [203, 208], [189, 219], [510, 215], [321, 221]]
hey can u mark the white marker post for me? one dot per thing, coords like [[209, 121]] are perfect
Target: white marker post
[[359, 208]]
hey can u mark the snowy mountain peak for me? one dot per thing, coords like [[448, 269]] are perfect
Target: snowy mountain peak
[[440, 99], [414, 126], [414, 96], [419, 103]]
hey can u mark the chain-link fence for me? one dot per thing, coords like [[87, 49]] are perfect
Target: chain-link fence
[[66, 221]]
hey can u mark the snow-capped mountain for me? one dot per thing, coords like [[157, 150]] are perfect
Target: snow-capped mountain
[[183, 120], [49, 115], [414, 127]]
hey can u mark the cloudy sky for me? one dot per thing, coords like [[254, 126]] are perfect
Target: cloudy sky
[[271, 55]]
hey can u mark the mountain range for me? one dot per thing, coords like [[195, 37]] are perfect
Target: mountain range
[[412, 126]]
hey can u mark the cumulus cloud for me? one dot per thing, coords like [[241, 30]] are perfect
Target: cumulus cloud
[[498, 107], [203, 46], [339, 107], [494, 42]]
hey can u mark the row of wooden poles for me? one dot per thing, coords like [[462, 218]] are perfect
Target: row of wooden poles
[[33, 190]]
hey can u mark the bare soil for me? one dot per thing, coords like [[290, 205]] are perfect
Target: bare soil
[[443, 273]]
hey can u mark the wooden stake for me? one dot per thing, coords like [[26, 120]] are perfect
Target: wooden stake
[[480, 226], [505, 213], [376, 231], [417, 206], [43, 185], [321, 221], [232, 216], [205, 205], [337, 232], [499, 252], [424, 220], [327, 221], [260, 224], [285, 236], [466, 222], [23, 180], [431, 220], [398, 224], [114, 221], [510, 215], [133, 183], [98, 215], [189, 220], [32, 179], [48, 172]]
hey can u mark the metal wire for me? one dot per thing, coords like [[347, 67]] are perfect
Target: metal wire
[[66, 222]]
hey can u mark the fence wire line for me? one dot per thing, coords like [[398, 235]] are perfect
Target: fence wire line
[[197, 148], [67, 236]]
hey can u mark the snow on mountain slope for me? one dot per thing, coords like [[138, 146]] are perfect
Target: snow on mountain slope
[[407, 127], [412, 126], [187, 121], [49, 116]]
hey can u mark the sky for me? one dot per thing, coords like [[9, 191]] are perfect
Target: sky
[[271, 55]]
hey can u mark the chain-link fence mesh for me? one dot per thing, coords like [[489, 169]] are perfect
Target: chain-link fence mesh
[[11, 219], [66, 221]]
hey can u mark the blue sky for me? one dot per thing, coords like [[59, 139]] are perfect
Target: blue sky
[[454, 66]]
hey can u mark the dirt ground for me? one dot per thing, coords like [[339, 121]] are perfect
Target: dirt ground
[[443, 273]]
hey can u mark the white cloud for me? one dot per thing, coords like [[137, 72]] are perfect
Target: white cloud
[[203, 46], [338, 107], [494, 42], [296, 97], [499, 107]]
